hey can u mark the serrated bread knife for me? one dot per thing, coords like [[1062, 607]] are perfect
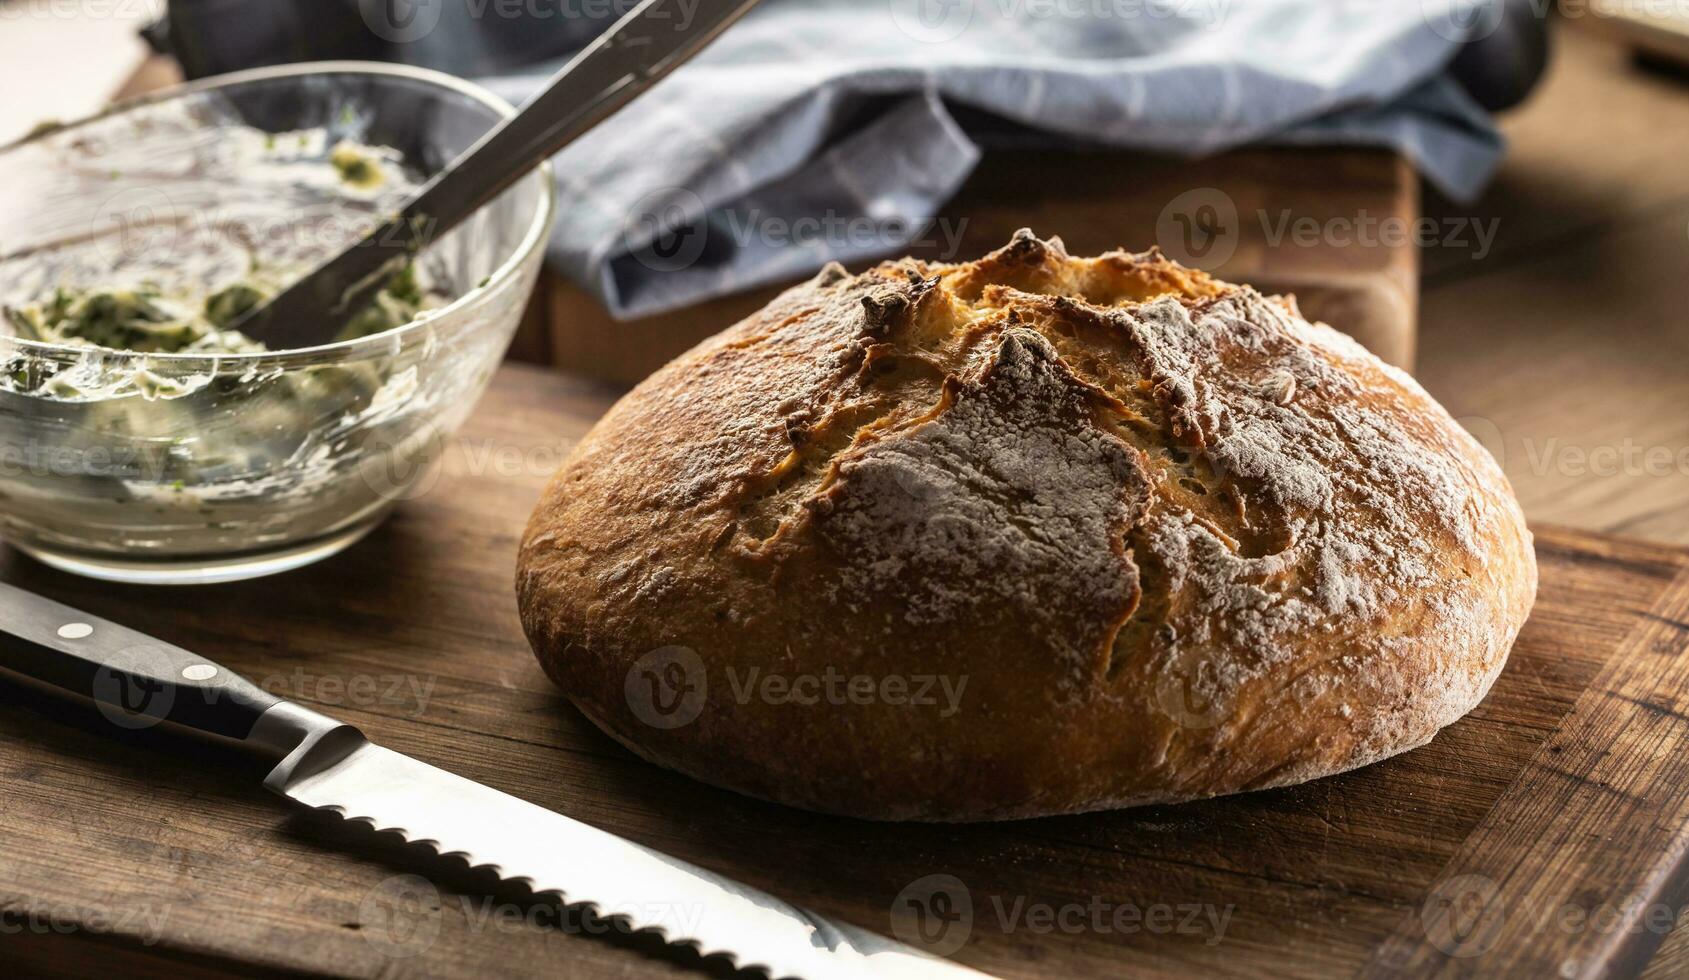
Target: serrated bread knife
[[137, 681]]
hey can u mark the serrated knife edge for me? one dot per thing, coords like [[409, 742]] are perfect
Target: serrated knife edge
[[137, 681], [340, 771]]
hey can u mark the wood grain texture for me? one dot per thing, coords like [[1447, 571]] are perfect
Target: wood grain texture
[[1578, 869], [1562, 344], [1567, 329], [165, 856]]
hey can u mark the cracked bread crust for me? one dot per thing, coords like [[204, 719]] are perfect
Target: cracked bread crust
[[1140, 536]]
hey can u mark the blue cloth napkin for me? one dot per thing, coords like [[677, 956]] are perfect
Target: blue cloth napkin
[[838, 129]]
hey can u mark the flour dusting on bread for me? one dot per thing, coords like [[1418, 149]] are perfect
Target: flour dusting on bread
[[1367, 509], [1177, 541], [1009, 492], [1013, 496]]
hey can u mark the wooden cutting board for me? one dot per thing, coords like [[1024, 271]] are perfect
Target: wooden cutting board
[[1542, 836]]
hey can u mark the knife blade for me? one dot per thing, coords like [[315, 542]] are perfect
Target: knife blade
[[137, 681]]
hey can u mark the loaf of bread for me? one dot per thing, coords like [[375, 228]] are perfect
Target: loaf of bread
[[1022, 536]]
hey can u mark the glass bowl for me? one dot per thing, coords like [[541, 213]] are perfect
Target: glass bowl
[[194, 468]]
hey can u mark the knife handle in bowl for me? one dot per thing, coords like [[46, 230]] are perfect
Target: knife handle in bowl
[[134, 679]]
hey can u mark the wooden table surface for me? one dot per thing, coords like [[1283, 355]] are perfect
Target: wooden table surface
[[1558, 798], [1558, 802], [1564, 346]]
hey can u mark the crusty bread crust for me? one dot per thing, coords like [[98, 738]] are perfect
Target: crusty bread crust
[[1171, 540]]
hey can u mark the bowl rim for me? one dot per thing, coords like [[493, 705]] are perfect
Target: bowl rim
[[538, 233]]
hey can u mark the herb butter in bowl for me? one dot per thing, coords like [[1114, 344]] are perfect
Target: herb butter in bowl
[[142, 437]]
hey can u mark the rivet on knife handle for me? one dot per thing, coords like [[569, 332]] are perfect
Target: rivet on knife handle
[[327, 765], [136, 680]]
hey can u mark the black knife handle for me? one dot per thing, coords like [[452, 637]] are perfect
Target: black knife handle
[[135, 680]]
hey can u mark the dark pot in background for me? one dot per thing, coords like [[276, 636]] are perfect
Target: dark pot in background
[[464, 37], [210, 37]]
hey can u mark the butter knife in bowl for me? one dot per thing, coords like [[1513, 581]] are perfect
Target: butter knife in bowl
[[137, 681]]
